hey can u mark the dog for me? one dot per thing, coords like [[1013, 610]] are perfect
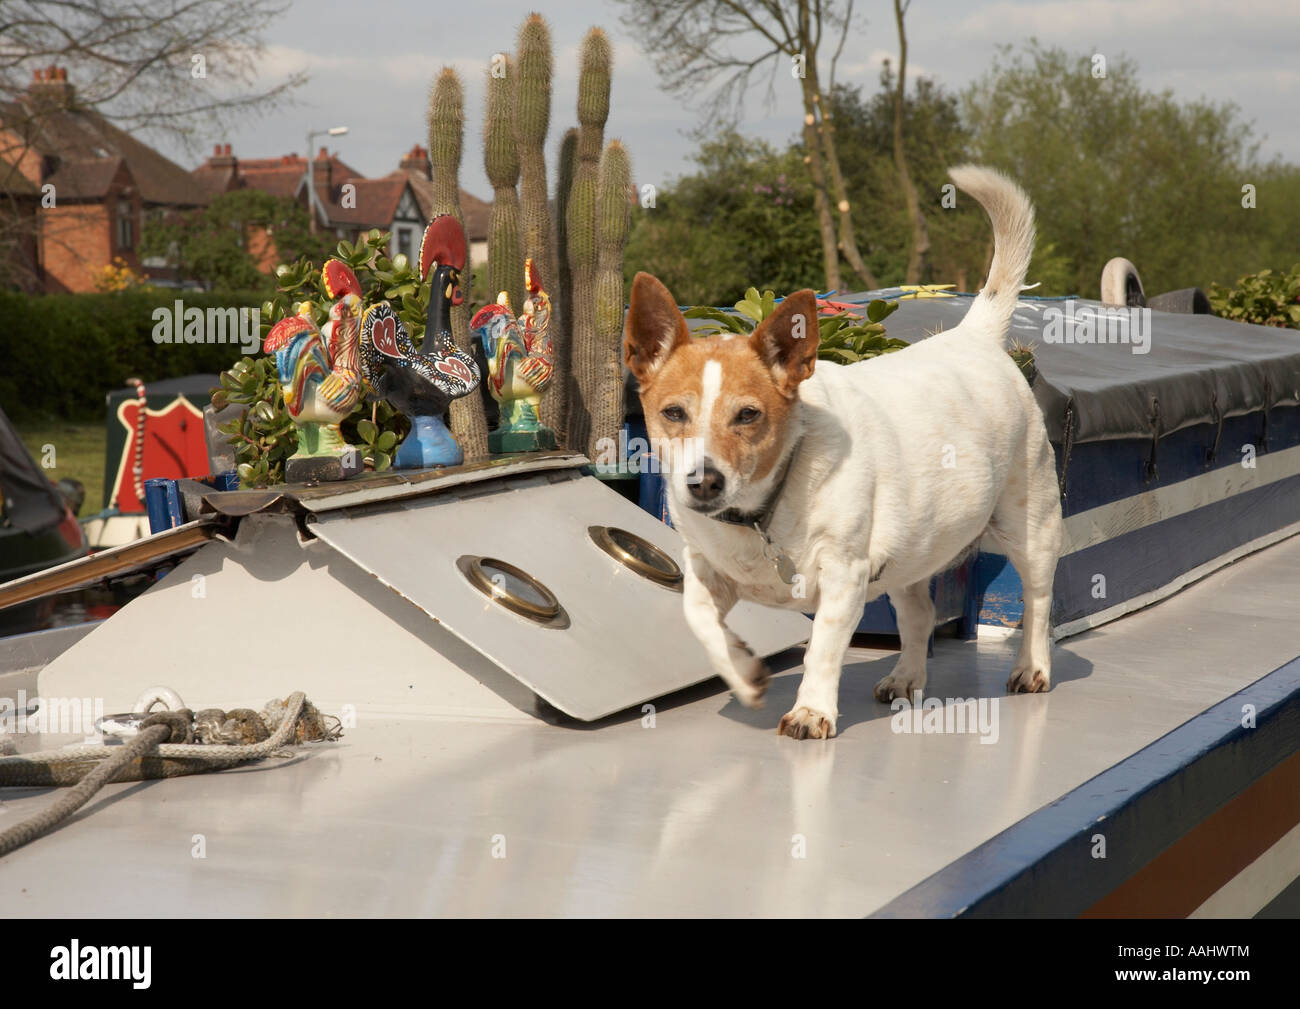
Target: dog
[[819, 488]]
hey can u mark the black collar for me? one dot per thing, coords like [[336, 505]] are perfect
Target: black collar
[[763, 514]]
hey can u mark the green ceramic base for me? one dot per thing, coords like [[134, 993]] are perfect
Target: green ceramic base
[[322, 455], [500, 441]]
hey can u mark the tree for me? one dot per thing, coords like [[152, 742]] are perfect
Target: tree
[[740, 221], [723, 44], [933, 131], [1115, 170], [920, 238], [216, 245]]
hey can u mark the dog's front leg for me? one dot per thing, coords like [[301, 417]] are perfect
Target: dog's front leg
[[842, 591], [708, 597]]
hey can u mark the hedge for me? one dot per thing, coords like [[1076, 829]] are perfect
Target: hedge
[[60, 354]]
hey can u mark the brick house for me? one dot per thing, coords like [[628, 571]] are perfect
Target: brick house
[[92, 184], [343, 202], [415, 166]]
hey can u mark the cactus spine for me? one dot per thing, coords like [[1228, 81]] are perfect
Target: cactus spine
[[593, 110], [446, 127], [501, 159], [613, 221]]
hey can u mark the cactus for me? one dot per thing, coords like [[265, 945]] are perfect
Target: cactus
[[446, 127], [555, 409], [532, 119], [501, 159], [593, 109], [613, 221]]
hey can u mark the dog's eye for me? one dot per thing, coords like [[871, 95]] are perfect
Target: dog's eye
[[748, 415], [673, 414]]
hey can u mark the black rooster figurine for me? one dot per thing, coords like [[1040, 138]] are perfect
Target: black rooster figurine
[[422, 383]]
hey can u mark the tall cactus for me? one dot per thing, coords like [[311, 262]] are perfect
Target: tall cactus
[[555, 408], [446, 128], [501, 159], [532, 115], [613, 221], [593, 110]]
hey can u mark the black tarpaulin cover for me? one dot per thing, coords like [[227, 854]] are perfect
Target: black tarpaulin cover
[[1164, 368], [31, 502]]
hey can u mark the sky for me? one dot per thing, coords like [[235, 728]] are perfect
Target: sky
[[371, 64]]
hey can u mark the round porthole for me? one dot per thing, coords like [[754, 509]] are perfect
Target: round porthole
[[637, 553], [512, 587]]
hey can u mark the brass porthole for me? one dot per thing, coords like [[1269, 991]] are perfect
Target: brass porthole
[[514, 588], [637, 553]]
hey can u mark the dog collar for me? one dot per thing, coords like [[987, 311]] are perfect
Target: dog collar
[[759, 519]]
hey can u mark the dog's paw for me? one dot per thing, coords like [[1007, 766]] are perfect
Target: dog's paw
[[805, 723], [1029, 680], [756, 677], [899, 684]]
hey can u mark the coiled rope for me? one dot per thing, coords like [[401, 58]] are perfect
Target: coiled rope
[[149, 755]]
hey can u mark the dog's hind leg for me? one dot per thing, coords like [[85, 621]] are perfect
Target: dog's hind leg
[[1027, 524], [915, 611]]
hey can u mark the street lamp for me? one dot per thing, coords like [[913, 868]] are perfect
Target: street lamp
[[333, 131]]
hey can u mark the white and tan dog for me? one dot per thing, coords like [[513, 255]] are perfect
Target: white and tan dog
[[820, 490]]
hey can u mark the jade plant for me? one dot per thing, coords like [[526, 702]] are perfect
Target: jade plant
[[844, 338], [263, 436]]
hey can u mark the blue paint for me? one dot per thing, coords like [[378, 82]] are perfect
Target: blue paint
[[428, 444], [1042, 866]]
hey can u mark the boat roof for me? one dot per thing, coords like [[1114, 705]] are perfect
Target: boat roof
[[447, 799]]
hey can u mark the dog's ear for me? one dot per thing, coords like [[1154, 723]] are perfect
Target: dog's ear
[[787, 341], [654, 328]]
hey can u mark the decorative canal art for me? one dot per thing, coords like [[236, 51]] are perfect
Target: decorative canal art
[[422, 382], [321, 379], [520, 365]]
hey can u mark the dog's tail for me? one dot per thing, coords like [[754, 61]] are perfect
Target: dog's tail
[[1013, 240]]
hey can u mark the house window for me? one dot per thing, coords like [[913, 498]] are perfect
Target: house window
[[125, 226], [404, 242]]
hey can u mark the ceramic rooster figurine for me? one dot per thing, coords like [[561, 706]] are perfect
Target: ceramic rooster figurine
[[320, 376], [520, 366], [422, 383]]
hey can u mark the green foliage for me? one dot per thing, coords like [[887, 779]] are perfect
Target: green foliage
[[1113, 169], [1116, 170], [217, 245], [263, 436], [63, 352], [844, 338], [746, 217], [1265, 298]]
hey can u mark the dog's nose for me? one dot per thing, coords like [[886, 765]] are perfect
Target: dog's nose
[[710, 484]]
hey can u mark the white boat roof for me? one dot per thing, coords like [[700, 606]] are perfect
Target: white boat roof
[[447, 799]]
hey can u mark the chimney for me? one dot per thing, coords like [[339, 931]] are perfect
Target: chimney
[[226, 164], [50, 86], [321, 177], [416, 162], [222, 158]]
